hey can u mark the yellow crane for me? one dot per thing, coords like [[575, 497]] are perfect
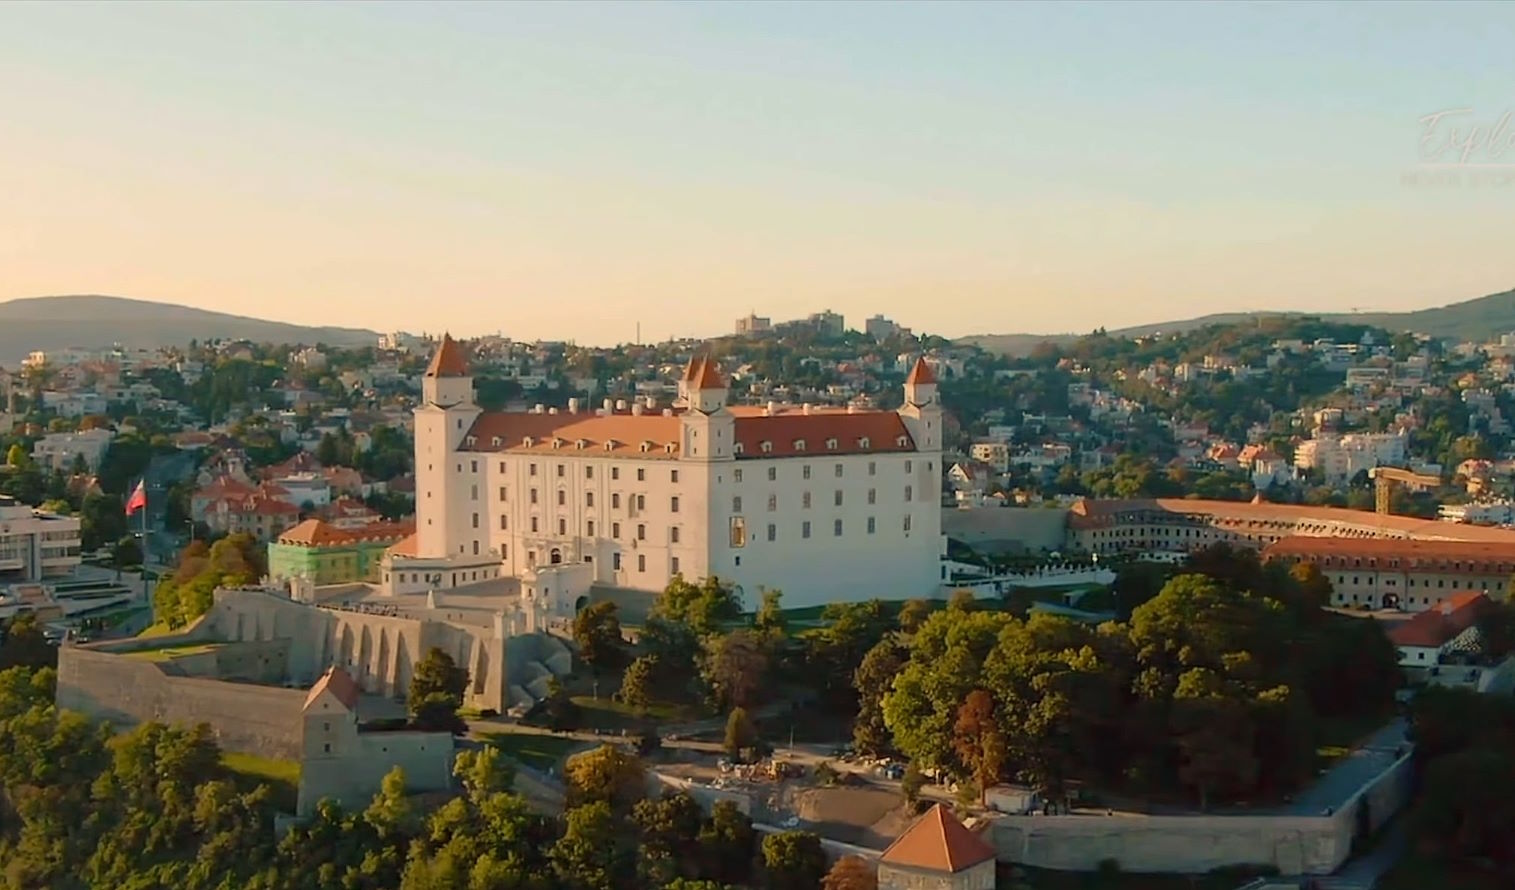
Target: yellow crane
[[1385, 478]]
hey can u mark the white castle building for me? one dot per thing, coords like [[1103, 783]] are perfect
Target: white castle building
[[824, 504]]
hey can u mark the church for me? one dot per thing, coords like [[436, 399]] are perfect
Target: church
[[824, 504]]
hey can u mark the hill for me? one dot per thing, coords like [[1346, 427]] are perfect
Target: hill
[[93, 322], [1476, 319]]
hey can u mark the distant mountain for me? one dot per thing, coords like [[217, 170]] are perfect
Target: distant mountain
[[94, 322], [1477, 319]]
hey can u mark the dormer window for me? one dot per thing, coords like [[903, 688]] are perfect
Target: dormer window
[[767, 447], [646, 447], [668, 448], [471, 441], [581, 444], [799, 444], [901, 441], [864, 443], [494, 441], [609, 444], [528, 441], [737, 448], [556, 442], [830, 444]]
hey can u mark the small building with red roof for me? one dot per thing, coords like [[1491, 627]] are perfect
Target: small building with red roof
[[938, 852]]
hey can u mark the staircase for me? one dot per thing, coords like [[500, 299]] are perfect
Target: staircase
[[531, 662]]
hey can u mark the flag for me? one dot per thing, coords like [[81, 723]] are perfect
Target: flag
[[138, 500]]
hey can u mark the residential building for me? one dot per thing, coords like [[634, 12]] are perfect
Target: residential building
[[937, 853], [1413, 575], [1339, 458], [753, 324], [1426, 637], [35, 546], [60, 451], [994, 452], [825, 504], [326, 553], [880, 328]]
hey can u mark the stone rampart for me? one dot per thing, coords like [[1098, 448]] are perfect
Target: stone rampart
[[261, 720], [353, 779], [1293, 844]]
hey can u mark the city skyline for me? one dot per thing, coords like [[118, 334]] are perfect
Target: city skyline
[[960, 169]]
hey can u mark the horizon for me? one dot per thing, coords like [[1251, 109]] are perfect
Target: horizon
[[960, 169]]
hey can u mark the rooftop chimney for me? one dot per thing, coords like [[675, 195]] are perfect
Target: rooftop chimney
[[608, 405], [552, 410], [667, 412], [636, 409], [573, 406], [652, 403], [805, 408], [772, 408], [620, 404], [538, 408]]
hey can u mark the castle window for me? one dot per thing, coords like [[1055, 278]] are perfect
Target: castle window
[[805, 500], [646, 447], [641, 562], [562, 498], [736, 504], [615, 472], [532, 469], [326, 748], [609, 444], [838, 471], [556, 444], [773, 532], [504, 493], [909, 491], [773, 502], [589, 471], [674, 565], [805, 471], [907, 522], [504, 522], [805, 529], [669, 448], [673, 476], [838, 497], [641, 474], [836, 528], [475, 520], [562, 527], [560, 470], [773, 474], [502, 463], [589, 528], [830, 444], [471, 441], [473, 492], [673, 504], [738, 532], [589, 499], [909, 465], [615, 500], [615, 530], [494, 441], [872, 495], [533, 495], [736, 475], [641, 502], [615, 561], [870, 525], [872, 465], [580, 444], [533, 525], [641, 532], [673, 534]]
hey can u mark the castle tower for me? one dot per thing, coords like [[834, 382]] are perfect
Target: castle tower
[[922, 412], [709, 430], [446, 475]]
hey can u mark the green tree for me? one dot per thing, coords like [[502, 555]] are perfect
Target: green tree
[[913, 614], [740, 733], [17, 458], [639, 681], [727, 844], [912, 782], [704, 607], [769, 620], [794, 860], [607, 774], [597, 631], [590, 855], [734, 667], [873, 680], [436, 692], [23, 644]]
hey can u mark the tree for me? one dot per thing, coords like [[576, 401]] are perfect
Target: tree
[[912, 782], [703, 607], [17, 458], [23, 644], [668, 828], [794, 860], [769, 620], [873, 680], [608, 774], [734, 667], [589, 856], [727, 843], [597, 631], [740, 733], [977, 739], [913, 614], [639, 680], [851, 873], [436, 692]]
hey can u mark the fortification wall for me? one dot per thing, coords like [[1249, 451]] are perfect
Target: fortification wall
[[352, 779], [1008, 529], [259, 720], [1294, 844]]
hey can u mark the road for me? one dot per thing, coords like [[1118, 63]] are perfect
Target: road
[[1342, 780]]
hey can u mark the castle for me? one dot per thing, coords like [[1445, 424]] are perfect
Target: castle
[[825, 504]]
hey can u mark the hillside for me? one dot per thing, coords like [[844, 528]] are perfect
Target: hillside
[[1476, 319], [90, 322]]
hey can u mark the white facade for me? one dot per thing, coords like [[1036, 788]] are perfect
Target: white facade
[[35, 545], [826, 505], [1339, 458], [58, 451]]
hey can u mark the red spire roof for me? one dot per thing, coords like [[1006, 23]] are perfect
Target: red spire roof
[[692, 370], [937, 841], [708, 376], [921, 373], [449, 360], [340, 683]]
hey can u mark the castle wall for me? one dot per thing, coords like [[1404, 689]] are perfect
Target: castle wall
[[261, 720], [354, 777]]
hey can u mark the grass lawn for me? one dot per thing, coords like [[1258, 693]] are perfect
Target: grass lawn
[[282, 776], [157, 629], [536, 751], [605, 713]]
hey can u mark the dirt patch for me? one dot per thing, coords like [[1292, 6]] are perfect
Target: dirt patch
[[869, 817]]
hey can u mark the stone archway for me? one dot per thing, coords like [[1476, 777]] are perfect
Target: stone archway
[[555, 557], [580, 603], [1391, 601]]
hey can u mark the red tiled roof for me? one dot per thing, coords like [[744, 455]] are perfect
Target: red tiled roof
[[316, 533], [339, 683], [921, 373], [784, 430], [406, 547], [1411, 550], [938, 842], [1437, 625], [709, 375], [1099, 512], [449, 360]]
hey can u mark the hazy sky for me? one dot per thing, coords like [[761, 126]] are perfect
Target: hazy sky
[[568, 170]]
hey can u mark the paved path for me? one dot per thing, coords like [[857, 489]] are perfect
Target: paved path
[[1342, 780]]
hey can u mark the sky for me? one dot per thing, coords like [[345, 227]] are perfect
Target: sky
[[576, 170]]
